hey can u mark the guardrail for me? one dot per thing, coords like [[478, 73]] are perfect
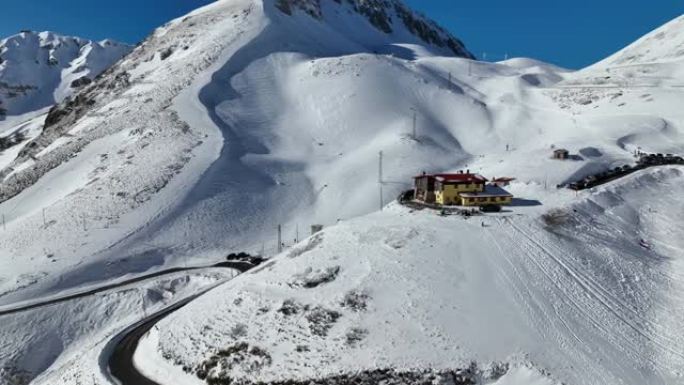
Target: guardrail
[[644, 162]]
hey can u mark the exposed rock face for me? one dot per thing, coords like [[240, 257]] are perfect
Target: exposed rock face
[[387, 16], [38, 70], [80, 82]]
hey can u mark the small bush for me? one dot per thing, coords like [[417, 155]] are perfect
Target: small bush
[[238, 331], [321, 320], [291, 307], [356, 301], [555, 217], [355, 335], [311, 279]]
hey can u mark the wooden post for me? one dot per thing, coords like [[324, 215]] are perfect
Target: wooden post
[[280, 239]]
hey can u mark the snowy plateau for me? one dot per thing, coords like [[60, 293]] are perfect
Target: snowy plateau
[[127, 174]]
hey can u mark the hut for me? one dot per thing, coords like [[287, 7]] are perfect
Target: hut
[[561, 154]]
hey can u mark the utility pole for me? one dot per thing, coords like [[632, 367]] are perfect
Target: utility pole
[[44, 221], [415, 124], [280, 239], [382, 205], [297, 234], [142, 303], [449, 79]]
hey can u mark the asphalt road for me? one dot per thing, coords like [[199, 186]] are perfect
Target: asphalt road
[[120, 363], [241, 266]]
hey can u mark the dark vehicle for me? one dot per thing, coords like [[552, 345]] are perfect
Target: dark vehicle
[[490, 209]]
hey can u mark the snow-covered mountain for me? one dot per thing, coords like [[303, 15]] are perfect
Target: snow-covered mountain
[[38, 70], [249, 114], [152, 176], [665, 44]]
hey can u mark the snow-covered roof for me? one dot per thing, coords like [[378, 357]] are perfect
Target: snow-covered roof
[[490, 191], [456, 178]]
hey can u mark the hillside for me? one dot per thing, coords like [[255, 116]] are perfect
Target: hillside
[[39, 70], [263, 117], [572, 298], [248, 114], [140, 193]]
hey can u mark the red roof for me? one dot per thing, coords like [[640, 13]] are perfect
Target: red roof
[[460, 177]]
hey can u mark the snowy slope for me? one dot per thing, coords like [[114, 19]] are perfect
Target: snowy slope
[[246, 114], [571, 293], [113, 181], [65, 340], [265, 117], [665, 44], [39, 69], [655, 60]]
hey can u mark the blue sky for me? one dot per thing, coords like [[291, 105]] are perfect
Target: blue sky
[[569, 33]]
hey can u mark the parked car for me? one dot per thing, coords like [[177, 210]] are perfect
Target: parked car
[[490, 209]]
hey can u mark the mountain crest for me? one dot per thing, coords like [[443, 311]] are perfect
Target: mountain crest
[[38, 69], [388, 16]]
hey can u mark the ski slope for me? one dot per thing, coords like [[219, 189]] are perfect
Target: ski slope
[[574, 296]]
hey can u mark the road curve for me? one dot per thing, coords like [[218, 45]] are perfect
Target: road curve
[[238, 265], [122, 348]]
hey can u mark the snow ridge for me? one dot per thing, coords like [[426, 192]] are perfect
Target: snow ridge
[[388, 16], [39, 69], [664, 44]]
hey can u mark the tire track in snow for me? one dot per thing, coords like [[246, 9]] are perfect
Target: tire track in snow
[[524, 294], [587, 284]]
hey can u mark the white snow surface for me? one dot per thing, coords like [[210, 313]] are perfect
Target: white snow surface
[[37, 68], [577, 298], [239, 117], [63, 343], [263, 118]]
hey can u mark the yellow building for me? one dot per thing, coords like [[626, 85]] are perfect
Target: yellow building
[[492, 195], [462, 189]]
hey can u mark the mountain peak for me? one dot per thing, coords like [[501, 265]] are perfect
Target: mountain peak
[[38, 69], [391, 17]]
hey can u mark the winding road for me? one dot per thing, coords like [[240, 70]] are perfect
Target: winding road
[[121, 348], [237, 265]]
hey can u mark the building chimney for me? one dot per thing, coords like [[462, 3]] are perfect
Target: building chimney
[[468, 171]]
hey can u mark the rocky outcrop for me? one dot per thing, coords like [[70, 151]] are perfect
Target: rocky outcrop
[[386, 16]]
